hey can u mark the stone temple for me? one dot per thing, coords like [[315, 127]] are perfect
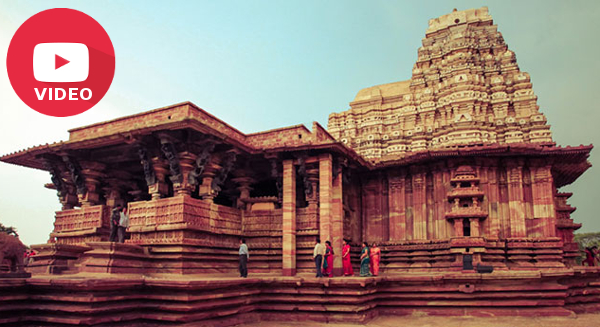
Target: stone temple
[[457, 162]]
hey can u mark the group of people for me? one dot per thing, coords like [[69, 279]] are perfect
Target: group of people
[[119, 222], [323, 256], [369, 259], [591, 256], [28, 256]]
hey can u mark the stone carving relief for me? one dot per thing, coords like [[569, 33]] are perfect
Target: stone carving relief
[[308, 190], [61, 188], [203, 159], [168, 150], [76, 175], [220, 178], [278, 178], [147, 166]]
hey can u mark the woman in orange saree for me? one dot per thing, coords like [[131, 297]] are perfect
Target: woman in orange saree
[[375, 257], [346, 263]]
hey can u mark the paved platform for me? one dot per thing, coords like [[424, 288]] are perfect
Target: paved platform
[[582, 320], [97, 299]]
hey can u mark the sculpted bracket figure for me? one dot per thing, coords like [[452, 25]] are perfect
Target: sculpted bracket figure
[[147, 165], [55, 177], [222, 176], [168, 149], [201, 162], [76, 174]]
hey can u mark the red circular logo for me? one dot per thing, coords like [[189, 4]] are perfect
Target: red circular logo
[[60, 62]]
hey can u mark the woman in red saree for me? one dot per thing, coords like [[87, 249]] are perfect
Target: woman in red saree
[[346, 263], [328, 259], [375, 257]]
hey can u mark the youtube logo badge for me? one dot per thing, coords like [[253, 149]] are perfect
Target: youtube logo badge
[[60, 62], [50, 63]]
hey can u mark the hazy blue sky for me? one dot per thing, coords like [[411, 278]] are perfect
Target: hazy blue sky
[[264, 64]]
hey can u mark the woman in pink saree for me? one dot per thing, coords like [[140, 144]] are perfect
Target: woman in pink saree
[[346, 263], [328, 260], [375, 257]]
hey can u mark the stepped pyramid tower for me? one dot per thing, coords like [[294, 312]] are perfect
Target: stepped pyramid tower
[[466, 89]]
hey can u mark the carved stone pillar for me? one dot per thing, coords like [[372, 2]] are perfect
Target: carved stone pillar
[[194, 177], [397, 201], [419, 204], [93, 173], [439, 202], [75, 176], [325, 196], [543, 197], [458, 228], [112, 193], [160, 188], [206, 191], [187, 161], [337, 220], [313, 179], [289, 219], [243, 183], [70, 200], [227, 164], [170, 153], [64, 190], [275, 174], [117, 183], [474, 227], [516, 198]]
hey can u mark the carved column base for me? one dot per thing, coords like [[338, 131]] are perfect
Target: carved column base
[[158, 190], [89, 199]]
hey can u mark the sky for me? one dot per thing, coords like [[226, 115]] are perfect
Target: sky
[[260, 65]]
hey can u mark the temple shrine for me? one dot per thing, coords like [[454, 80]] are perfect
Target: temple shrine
[[457, 162]]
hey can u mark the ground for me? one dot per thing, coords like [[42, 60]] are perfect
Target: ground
[[582, 320]]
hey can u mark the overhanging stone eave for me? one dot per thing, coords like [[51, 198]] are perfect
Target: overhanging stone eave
[[184, 110], [333, 146], [29, 157], [526, 150]]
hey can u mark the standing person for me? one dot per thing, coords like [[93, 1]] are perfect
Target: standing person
[[123, 224], [375, 257], [30, 254], [26, 256], [364, 260], [115, 217], [589, 257], [595, 252], [244, 257], [328, 264], [318, 254], [346, 263]]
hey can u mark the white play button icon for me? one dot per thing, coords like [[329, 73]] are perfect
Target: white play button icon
[[61, 62]]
